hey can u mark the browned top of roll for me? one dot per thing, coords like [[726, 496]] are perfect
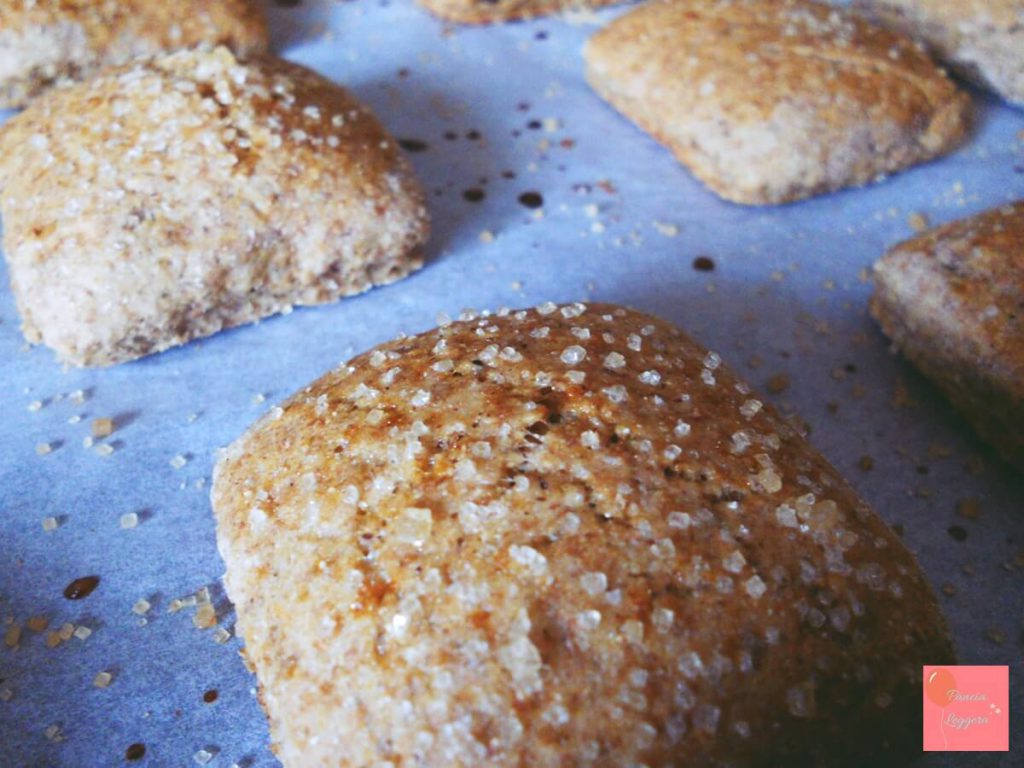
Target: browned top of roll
[[562, 536]]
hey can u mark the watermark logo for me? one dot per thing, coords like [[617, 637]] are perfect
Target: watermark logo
[[966, 709]]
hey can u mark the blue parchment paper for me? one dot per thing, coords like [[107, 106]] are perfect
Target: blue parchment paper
[[500, 111]]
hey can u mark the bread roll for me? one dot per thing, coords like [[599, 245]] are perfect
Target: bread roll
[[769, 101], [491, 11], [951, 300], [565, 536], [982, 40], [184, 194], [43, 42]]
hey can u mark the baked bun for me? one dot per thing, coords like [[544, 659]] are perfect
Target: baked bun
[[43, 42], [491, 11], [982, 40], [769, 101], [184, 194], [563, 536], [951, 299]]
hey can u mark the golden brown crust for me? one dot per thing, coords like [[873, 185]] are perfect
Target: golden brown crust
[[983, 40], [768, 101], [566, 536], [494, 11], [43, 42], [180, 195], [951, 300]]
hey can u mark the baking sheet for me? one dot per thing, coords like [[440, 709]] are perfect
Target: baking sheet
[[503, 111]]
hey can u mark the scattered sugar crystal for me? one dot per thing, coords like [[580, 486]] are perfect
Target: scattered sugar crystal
[[617, 393], [590, 440], [141, 606], [679, 520], [690, 664], [221, 636], [529, 558], [129, 520], [576, 377], [556, 715], [705, 718], [102, 679], [740, 442], [750, 408], [786, 516], [420, 398], [663, 548], [662, 619], [796, 702], [573, 497], [840, 617], [50, 524], [43, 448], [681, 429], [82, 633], [633, 631], [178, 461], [614, 360], [414, 526], [634, 342], [202, 757], [594, 582], [734, 562], [465, 470], [104, 449], [569, 525], [755, 587], [769, 480], [35, 405], [573, 355], [652, 378], [588, 620]]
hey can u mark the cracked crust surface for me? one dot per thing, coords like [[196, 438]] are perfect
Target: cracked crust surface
[[769, 101], [983, 40], [180, 195], [565, 536], [952, 301], [44, 42], [493, 11]]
